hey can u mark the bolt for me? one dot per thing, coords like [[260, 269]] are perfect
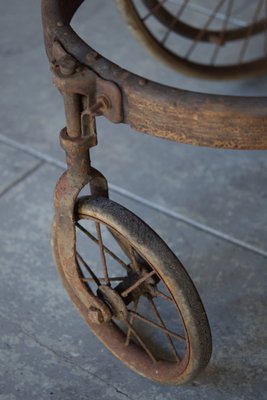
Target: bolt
[[96, 108], [95, 315], [67, 65], [102, 103]]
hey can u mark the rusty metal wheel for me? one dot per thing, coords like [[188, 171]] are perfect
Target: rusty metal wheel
[[206, 38], [157, 325]]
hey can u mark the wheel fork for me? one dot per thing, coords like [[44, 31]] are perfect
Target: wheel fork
[[85, 96]]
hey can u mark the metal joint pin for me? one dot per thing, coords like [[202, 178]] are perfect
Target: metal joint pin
[[102, 103]]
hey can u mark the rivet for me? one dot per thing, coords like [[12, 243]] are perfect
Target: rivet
[[92, 56], [125, 75], [142, 81]]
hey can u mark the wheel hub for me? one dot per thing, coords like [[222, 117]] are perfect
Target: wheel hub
[[114, 301], [117, 299]]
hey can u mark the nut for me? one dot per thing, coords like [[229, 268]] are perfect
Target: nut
[[95, 315]]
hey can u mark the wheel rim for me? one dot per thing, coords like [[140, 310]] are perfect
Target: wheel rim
[[136, 285], [154, 254], [218, 43]]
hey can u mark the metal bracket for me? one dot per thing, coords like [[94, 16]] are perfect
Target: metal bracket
[[72, 78]]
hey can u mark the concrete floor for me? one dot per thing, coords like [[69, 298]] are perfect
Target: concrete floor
[[209, 205]]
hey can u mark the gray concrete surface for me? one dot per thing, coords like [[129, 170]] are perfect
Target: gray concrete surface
[[209, 205]]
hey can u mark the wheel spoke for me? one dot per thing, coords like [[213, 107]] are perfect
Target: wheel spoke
[[155, 325], [156, 311], [133, 260], [173, 22], [137, 283], [204, 29], [107, 250], [135, 305], [133, 331], [112, 279], [222, 33], [162, 295], [249, 32], [203, 10], [153, 10], [94, 277], [102, 253]]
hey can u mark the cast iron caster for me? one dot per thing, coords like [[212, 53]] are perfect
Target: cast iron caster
[[155, 323]]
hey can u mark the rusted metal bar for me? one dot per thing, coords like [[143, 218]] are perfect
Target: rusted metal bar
[[72, 108], [78, 174]]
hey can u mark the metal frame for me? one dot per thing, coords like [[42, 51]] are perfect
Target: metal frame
[[228, 122]]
